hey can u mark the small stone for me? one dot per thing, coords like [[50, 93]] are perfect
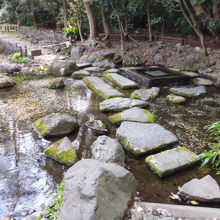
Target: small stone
[[202, 190], [189, 91], [80, 74], [108, 150], [203, 82], [170, 161], [97, 126], [135, 114], [56, 83], [6, 82], [62, 151], [191, 74], [176, 99], [146, 94]]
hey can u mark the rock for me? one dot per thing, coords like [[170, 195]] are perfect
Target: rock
[[121, 81], [176, 99], [108, 150], [159, 60], [62, 151], [101, 88], [77, 52], [170, 161], [62, 68], [135, 114], [119, 104], [56, 124], [141, 138], [203, 82], [191, 74], [202, 190], [83, 65], [189, 63], [80, 74], [56, 83], [132, 60], [113, 70], [97, 126], [104, 64], [94, 69], [189, 91], [146, 94], [34, 216], [102, 55], [94, 189], [10, 68], [6, 82]]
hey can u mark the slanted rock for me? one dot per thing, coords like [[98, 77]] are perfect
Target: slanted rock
[[170, 161], [135, 114], [83, 65], [202, 190], [203, 82], [146, 94], [113, 70], [6, 82], [97, 126], [62, 68], [56, 124], [94, 69], [101, 88], [10, 68], [104, 63], [108, 150], [80, 74], [189, 91], [96, 190], [62, 151], [56, 83], [142, 138], [119, 104], [77, 52], [191, 74], [121, 81], [176, 99]]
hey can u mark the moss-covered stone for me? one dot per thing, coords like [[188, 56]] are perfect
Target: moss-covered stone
[[41, 127], [176, 99]]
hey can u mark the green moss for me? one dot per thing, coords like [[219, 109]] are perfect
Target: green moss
[[151, 118], [187, 94], [194, 69], [174, 99], [41, 127], [116, 118], [153, 167], [134, 95]]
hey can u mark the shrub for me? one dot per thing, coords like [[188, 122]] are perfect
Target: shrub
[[20, 59]]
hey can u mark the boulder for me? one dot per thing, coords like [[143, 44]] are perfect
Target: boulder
[[119, 104], [56, 83], [189, 91], [146, 94], [62, 151], [108, 150], [80, 74], [77, 52], [104, 63], [202, 190], [176, 99], [135, 114], [56, 124], [142, 138], [62, 68], [159, 60], [6, 82], [96, 190], [10, 68], [202, 82], [97, 126]]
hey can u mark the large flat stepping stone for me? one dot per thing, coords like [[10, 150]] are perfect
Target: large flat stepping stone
[[202, 82], [203, 190], [170, 161], [135, 114], [6, 82], [189, 91], [146, 94], [119, 104], [190, 74], [101, 88], [80, 74], [176, 99], [142, 138], [121, 81]]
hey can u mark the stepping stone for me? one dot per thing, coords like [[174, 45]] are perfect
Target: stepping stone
[[191, 74], [101, 88], [135, 114], [62, 151], [97, 126], [104, 63], [176, 99], [121, 81], [203, 82], [108, 150], [83, 65], [94, 69], [142, 138], [56, 83], [189, 91], [113, 70], [80, 74], [6, 82], [203, 190], [170, 161], [120, 104], [146, 94]]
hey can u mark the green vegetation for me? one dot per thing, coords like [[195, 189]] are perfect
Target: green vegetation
[[212, 157], [20, 59], [54, 208]]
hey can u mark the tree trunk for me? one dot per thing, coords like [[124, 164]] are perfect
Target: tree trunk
[[92, 22], [199, 10], [79, 22], [149, 20], [65, 13], [216, 10], [105, 21]]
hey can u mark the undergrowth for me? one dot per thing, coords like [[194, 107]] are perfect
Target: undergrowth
[[20, 59]]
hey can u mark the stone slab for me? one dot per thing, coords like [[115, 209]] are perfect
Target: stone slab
[[119, 104], [121, 81], [80, 74], [101, 88], [146, 94], [170, 161], [83, 65], [189, 91], [143, 138], [202, 82], [176, 99]]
